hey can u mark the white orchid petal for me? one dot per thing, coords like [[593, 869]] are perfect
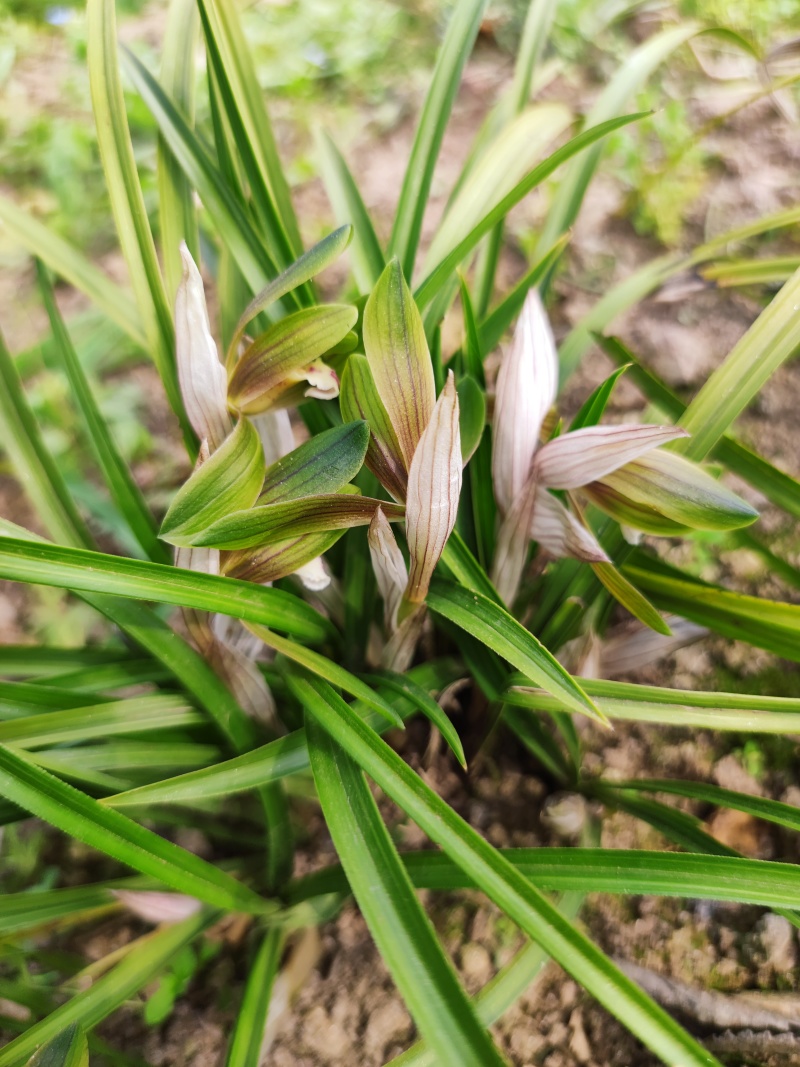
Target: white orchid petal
[[434, 486], [156, 907], [583, 456], [389, 566], [274, 428], [526, 388], [202, 378], [558, 532], [313, 575], [322, 381]]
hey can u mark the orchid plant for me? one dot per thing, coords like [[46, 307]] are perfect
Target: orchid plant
[[358, 543]]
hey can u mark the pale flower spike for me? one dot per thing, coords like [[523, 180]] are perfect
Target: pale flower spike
[[202, 378], [389, 566], [526, 389], [434, 486], [523, 472]]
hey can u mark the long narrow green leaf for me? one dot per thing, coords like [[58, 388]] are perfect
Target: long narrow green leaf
[[606, 870], [124, 490], [761, 807], [500, 880], [461, 33], [229, 215], [248, 1035], [177, 214], [504, 990], [67, 568], [46, 661], [401, 683], [716, 711], [278, 759], [764, 623], [153, 953], [636, 69], [500, 318], [108, 831], [246, 96], [431, 285], [141, 624], [328, 670], [652, 275], [32, 462], [772, 339], [240, 98], [348, 207], [125, 192], [269, 763], [71, 265], [132, 716], [492, 625], [110, 676], [67, 1049], [397, 922]]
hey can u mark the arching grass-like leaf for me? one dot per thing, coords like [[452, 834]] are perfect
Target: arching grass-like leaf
[[67, 1049], [241, 97], [618, 871], [761, 807], [124, 490], [35, 467], [434, 281], [772, 339], [108, 831], [127, 202], [247, 1039], [229, 214], [44, 564], [139, 967], [348, 207], [765, 623], [500, 880], [71, 265], [461, 33], [494, 627], [674, 707], [399, 926], [177, 213]]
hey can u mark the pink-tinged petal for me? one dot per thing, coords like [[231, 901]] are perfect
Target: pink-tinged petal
[[583, 456], [558, 532], [513, 540], [399, 650], [526, 388], [434, 486], [202, 378], [156, 907], [389, 566]]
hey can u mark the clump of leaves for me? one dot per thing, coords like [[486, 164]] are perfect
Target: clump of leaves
[[497, 539]]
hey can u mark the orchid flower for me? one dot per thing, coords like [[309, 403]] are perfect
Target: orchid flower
[[615, 465], [414, 450], [232, 462]]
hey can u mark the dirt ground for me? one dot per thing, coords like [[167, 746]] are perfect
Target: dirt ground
[[347, 1011]]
